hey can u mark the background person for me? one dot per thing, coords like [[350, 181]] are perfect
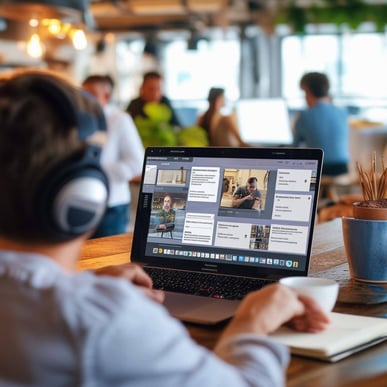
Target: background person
[[122, 156], [323, 125], [105, 331], [248, 196], [222, 130], [167, 214], [151, 91]]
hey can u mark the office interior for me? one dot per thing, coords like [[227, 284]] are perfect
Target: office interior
[[255, 49]]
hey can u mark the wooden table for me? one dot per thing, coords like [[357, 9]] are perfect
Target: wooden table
[[367, 368]]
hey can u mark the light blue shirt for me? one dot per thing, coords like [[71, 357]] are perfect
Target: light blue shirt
[[61, 329], [324, 126]]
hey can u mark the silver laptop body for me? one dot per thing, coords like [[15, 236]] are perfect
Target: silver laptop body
[[192, 220]]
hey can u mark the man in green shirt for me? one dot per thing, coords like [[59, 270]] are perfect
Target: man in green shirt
[[167, 216]]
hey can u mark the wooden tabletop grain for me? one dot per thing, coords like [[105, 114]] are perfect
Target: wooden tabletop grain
[[366, 368]]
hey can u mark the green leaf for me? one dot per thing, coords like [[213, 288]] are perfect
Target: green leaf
[[158, 112], [193, 136]]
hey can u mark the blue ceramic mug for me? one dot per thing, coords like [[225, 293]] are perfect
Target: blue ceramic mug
[[365, 244]]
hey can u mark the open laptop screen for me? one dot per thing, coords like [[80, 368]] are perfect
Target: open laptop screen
[[264, 121], [193, 209]]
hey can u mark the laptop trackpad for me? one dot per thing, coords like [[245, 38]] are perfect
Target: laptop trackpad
[[199, 310]]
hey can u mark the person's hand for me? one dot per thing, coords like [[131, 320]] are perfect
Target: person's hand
[[312, 320], [135, 274], [264, 311], [257, 203]]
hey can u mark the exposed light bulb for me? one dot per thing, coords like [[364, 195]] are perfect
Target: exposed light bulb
[[35, 47], [33, 23], [54, 27], [79, 40]]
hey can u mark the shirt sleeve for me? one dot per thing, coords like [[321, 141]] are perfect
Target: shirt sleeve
[[130, 150], [237, 192], [143, 346], [256, 357], [134, 108]]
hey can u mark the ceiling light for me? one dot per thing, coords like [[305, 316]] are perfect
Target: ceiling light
[[35, 47], [78, 38]]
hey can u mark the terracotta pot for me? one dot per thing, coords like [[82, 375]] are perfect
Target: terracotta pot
[[370, 209]]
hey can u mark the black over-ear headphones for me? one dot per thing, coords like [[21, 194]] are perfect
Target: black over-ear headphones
[[71, 198]]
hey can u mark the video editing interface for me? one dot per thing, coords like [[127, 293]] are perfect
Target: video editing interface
[[238, 211]]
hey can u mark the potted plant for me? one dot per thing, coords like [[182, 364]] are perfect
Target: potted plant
[[374, 191], [156, 130], [365, 234]]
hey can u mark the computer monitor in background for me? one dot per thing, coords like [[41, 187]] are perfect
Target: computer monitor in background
[[264, 121]]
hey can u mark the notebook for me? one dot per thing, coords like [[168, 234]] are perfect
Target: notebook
[[346, 335], [213, 224]]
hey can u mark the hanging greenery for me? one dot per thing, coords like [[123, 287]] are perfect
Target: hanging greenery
[[339, 12]]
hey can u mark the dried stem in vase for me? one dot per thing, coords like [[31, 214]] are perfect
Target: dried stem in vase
[[373, 184]]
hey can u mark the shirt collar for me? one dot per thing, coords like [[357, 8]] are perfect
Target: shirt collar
[[35, 269]]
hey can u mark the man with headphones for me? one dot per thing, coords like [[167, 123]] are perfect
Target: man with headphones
[[61, 327]]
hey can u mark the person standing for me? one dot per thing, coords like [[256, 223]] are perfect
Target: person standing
[[167, 214], [122, 156], [151, 91], [323, 125]]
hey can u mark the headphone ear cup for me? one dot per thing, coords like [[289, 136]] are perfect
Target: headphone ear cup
[[72, 198]]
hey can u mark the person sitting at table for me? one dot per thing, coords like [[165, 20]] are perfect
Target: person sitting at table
[[323, 125], [61, 326], [151, 91], [222, 130], [249, 196]]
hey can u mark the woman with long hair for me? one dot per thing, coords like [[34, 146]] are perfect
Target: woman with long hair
[[222, 129]]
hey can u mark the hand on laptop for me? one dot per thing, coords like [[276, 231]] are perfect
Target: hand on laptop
[[136, 275], [264, 311]]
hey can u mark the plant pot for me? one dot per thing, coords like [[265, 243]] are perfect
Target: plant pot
[[365, 244], [370, 209]]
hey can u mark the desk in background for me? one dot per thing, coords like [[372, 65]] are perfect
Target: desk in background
[[367, 368]]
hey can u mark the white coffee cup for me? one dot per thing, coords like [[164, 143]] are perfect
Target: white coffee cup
[[324, 291]]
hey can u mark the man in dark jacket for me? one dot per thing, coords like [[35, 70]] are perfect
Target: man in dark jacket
[[150, 91]]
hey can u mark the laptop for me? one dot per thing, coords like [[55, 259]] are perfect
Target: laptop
[[204, 249], [264, 122]]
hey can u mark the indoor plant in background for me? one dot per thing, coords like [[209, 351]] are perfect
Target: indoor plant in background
[[156, 130], [365, 234]]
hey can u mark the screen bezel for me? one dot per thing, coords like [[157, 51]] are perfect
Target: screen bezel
[[142, 223]]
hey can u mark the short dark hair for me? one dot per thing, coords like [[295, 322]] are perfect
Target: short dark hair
[[252, 179], [316, 83], [33, 138], [97, 78], [152, 75]]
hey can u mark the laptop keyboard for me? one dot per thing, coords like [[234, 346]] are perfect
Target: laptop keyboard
[[203, 284]]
